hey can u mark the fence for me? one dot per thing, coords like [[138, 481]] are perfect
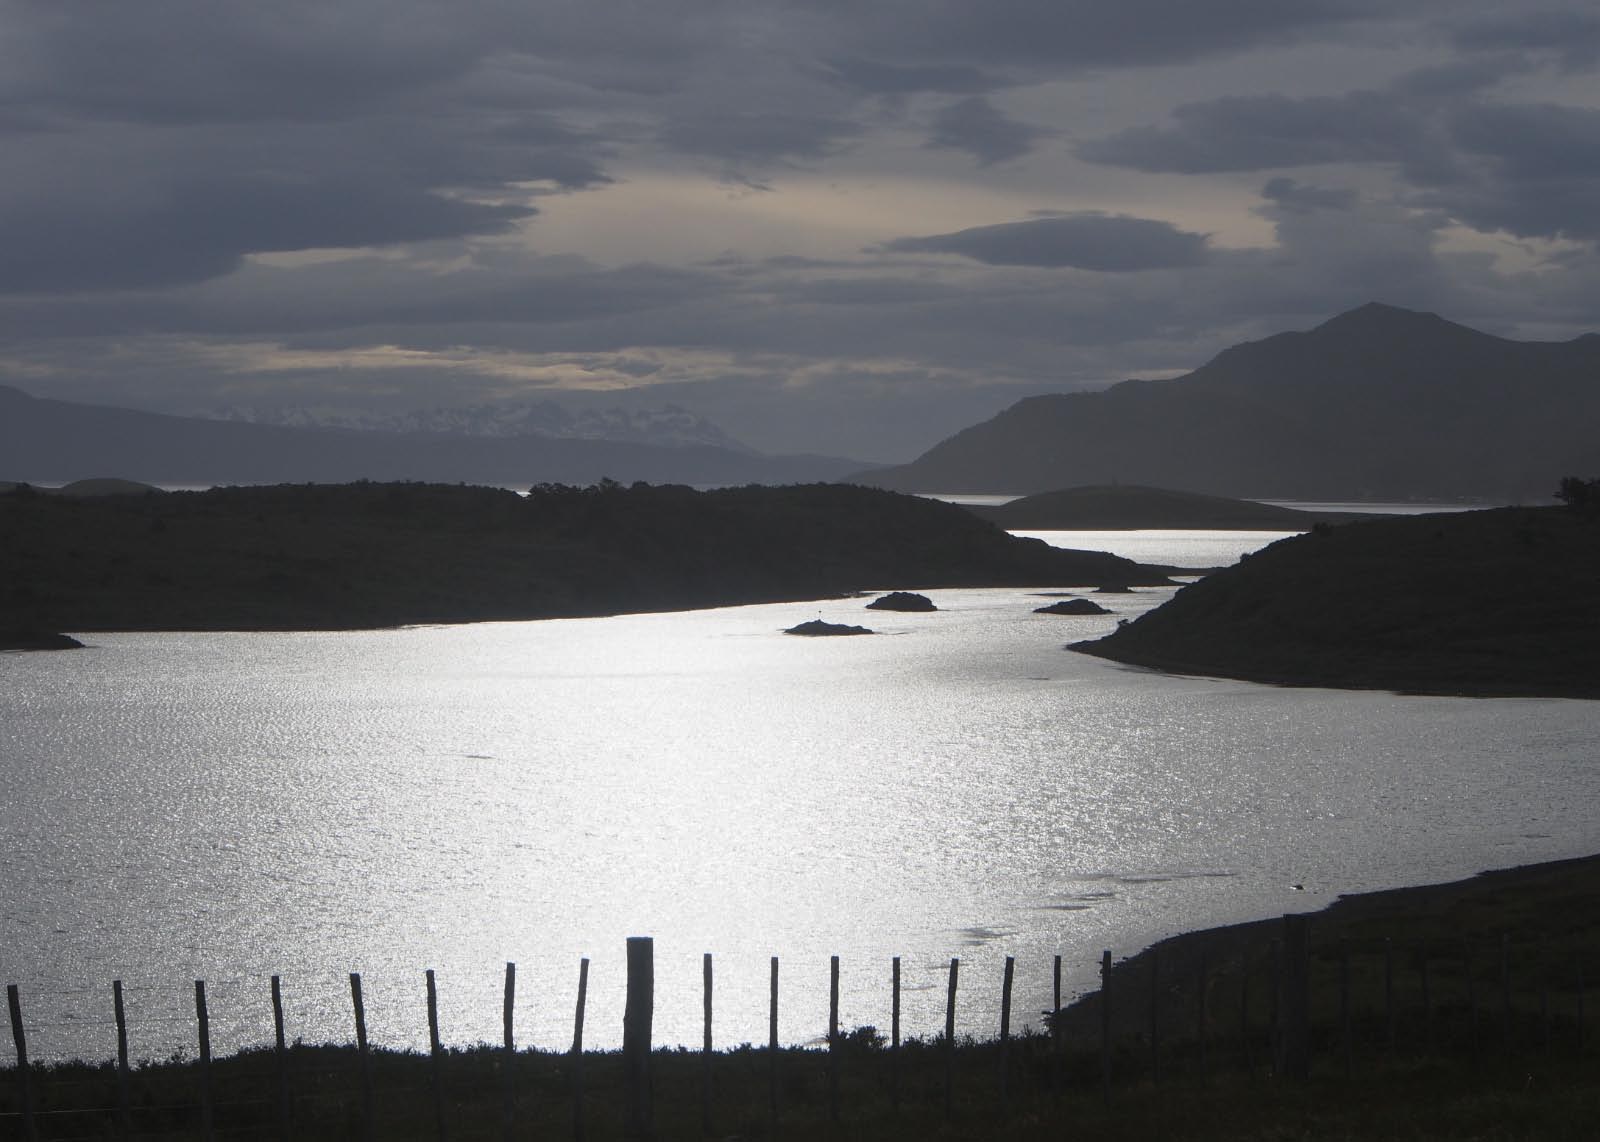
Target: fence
[[1276, 1006]]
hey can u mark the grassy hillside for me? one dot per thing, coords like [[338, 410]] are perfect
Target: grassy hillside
[[1501, 602], [366, 555]]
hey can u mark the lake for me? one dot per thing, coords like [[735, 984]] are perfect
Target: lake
[[229, 806]]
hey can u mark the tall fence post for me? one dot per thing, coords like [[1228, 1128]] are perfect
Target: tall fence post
[[364, 1055], [577, 1051], [833, 1039], [124, 1112], [950, 1039], [19, 1036], [772, 1048], [1105, 1026], [435, 1057], [1055, 1029], [203, 1033], [894, 1039], [637, 1019], [705, 1053], [509, 1113], [1005, 1036], [1297, 997], [280, 1061]]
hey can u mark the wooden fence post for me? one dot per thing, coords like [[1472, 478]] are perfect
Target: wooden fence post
[[637, 1020], [1055, 1029], [1105, 1026], [577, 1051], [435, 1057], [509, 1114], [280, 1061], [1005, 1036], [203, 1032], [364, 1055], [772, 1048], [19, 1036], [705, 1053], [124, 1112], [894, 1039], [950, 1039], [833, 1039]]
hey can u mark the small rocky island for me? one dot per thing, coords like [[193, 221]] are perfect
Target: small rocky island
[[816, 628], [902, 601], [1072, 607], [1502, 602]]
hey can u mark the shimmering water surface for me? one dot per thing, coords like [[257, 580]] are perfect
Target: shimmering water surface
[[229, 806]]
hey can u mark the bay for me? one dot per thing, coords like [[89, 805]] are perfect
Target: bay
[[229, 806]]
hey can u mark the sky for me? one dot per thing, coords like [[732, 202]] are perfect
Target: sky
[[850, 228]]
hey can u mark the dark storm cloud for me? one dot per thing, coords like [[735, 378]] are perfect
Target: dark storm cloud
[[1086, 241], [1536, 171], [1071, 34], [976, 126], [1260, 132], [759, 136], [1291, 196], [1572, 37]]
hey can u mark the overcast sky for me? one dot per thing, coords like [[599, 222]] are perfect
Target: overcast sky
[[846, 226]]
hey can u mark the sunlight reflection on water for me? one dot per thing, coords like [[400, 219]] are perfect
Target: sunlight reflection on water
[[227, 806]]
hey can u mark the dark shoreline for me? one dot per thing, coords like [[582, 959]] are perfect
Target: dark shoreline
[[1548, 900]]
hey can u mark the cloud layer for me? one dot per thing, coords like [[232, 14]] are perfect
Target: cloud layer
[[833, 227]]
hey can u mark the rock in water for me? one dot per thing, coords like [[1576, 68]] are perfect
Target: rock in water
[[902, 601], [37, 640], [818, 627], [1072, 607]]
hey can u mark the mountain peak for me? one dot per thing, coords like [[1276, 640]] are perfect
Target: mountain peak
[[1390, 320]]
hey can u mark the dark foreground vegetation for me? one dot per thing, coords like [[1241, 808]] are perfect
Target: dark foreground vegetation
[[1500, 602], [371, 555], [1440, 1013]]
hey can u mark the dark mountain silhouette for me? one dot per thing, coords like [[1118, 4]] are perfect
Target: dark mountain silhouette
[[1378, 403], [371, 555], [1123, 507], [1480, 602], [52, 441]]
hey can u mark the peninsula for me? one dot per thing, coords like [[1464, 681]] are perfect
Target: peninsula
[[342, 556], [1126, 507], [1488, 603]]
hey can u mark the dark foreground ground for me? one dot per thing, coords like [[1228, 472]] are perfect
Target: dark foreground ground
[[1464, 1016]]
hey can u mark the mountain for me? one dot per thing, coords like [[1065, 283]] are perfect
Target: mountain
[[330, 556], [670, 425], [1497, 602], [53, 441], [1123, 507], [1378, 403]]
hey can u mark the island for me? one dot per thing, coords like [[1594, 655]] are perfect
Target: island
[[902, 601], [1502, 602], [816, 628], [1128, 507], [363, 555], [37, 640], [1072, 607]]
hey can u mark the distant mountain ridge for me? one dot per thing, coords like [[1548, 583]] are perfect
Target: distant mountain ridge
[[1377, 403], [1123, 507], [54, 441], [668, 426]]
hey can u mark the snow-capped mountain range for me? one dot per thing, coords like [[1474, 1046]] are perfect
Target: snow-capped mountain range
[[670, 425]]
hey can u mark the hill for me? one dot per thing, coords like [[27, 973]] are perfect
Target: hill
[[53, 441], [1499, 602], [1378, 403], [370, 555], [1124, 507]]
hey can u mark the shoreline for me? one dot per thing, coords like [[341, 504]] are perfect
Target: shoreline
[[1549, 909]]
